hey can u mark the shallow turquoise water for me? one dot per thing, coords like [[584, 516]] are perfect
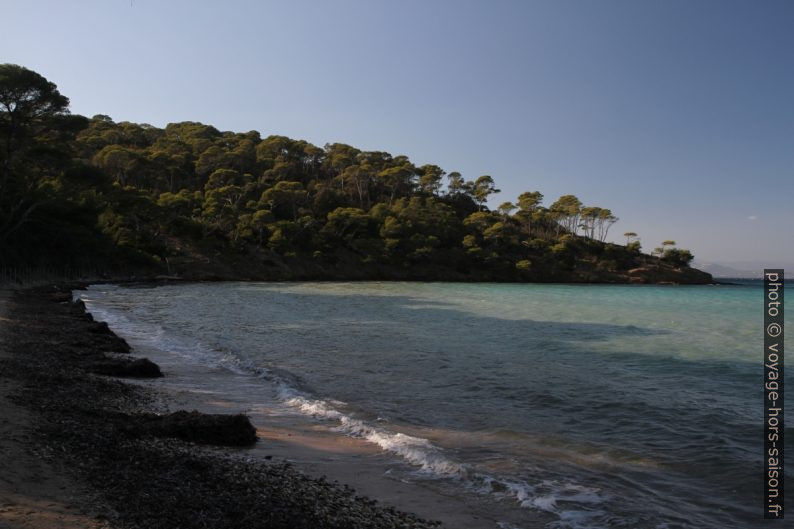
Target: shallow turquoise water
[[610, 406]]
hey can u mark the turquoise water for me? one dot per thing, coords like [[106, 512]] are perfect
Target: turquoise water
[[608, 406]]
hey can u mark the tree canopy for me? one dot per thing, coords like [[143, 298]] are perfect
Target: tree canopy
[[75, 189]]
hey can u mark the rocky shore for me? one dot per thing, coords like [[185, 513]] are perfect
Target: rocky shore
[[131, 465]]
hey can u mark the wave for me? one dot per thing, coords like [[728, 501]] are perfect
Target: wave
[[545, 496], [553, 496], [416, 450]]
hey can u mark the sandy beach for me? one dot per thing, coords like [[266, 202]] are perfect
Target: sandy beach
[[72, 458]]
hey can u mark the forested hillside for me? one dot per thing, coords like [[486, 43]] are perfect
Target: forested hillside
[[193, 201]]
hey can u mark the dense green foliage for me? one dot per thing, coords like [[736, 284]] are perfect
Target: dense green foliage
[[192, 198]]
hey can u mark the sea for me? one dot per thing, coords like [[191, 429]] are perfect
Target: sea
[[603, 406]]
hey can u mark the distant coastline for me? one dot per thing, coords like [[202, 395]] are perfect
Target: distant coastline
[[14, 278]]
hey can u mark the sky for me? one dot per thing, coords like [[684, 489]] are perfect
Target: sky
[[678, 115]]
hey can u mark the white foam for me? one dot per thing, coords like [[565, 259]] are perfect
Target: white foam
[[430, 459], [544, 503], [415, 450]]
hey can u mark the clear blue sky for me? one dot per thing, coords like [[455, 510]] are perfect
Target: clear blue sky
[[676, 114]]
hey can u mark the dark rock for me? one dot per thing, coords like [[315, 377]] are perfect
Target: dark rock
[[196, 427], [61, 297], [498, 486], [99, 327], [117, 344], [121, 367]]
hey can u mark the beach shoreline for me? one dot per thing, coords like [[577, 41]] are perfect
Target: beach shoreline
[[67, 420], [119, 480]]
